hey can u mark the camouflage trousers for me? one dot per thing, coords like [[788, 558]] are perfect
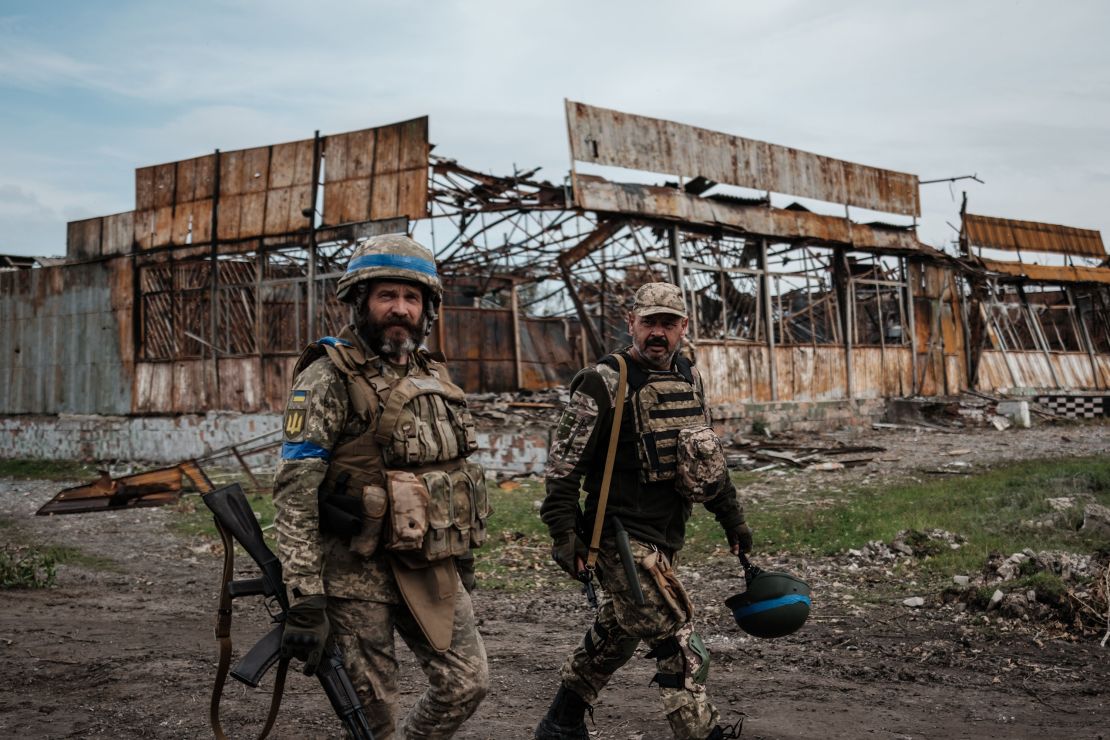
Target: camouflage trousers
[[663, 622], [457, 679]]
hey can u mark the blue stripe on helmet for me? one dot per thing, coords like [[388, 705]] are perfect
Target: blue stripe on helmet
[[399, 261], [762, 606], [334, 341], [303, 451]]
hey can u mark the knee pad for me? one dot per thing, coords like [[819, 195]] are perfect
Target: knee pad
[[695, 660]]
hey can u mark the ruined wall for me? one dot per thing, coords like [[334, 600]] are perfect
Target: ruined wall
[[66, 339]]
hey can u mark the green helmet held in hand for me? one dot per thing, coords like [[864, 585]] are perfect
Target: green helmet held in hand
[[774, 604]]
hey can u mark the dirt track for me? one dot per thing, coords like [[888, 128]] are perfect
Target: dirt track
[[128, 651]]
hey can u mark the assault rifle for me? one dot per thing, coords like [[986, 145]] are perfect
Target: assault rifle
[[236, 523]]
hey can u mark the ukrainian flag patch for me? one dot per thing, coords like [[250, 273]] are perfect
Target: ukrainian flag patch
[[299, 397]]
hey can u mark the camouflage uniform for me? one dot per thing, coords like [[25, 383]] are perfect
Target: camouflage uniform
[[364, 603], [654, 514]]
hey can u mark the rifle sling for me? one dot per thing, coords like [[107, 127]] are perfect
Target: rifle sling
[[610, 458], [223, 637]]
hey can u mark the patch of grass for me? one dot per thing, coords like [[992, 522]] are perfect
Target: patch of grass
[[18, 540], [22, 567], [992, 510], [191, 518], [46, 469]]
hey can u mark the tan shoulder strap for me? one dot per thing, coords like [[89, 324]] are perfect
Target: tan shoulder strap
[[610, 457]]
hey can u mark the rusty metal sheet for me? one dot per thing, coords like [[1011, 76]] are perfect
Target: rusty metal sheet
[[119, 233], [724, 370], [597, 194], [867, 372], [1050, 273], [240, 384], [1031, 236], [83, 238], [784, 372], [377, 174], [609, 137], [149, 488]]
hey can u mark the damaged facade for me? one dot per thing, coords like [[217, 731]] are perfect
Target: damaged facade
[[199, 299]]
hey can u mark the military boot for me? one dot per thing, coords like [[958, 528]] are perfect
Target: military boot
[[565, 719], [727, 732]]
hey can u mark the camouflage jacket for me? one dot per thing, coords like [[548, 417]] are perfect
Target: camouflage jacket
[[651, 512], [319, 418]]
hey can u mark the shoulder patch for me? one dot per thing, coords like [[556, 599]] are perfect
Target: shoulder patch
[[293, 424]]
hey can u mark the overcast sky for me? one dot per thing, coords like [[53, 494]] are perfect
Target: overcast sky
[[1018, 92]]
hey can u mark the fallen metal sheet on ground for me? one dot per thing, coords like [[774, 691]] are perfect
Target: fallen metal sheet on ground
[[150, 488]]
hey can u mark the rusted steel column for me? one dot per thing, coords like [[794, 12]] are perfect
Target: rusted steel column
[[518, 366], [1096, 374], [1038, 333], [846, 299], [310, 296], [911, 319], [214, 277], [765, 288], [583, 316]]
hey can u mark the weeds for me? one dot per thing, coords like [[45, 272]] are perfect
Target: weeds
[[46, 469], [23, 567]]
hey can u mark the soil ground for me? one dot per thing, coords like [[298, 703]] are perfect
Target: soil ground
[[126, 650]]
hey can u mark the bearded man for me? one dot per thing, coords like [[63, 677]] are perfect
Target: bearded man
[[655, 478], [377, 506]]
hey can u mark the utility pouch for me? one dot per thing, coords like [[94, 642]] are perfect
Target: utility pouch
[[481, 508], [408, 504], [375, 501], [424, 421], [701, 467], [657, 564], [441, 541]]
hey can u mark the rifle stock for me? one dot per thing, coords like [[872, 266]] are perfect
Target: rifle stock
[[235, 517]]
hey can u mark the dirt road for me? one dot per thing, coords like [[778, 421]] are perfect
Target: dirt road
[[127, 650]]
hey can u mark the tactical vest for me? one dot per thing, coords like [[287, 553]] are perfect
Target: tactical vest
[[422, 497], [662, 403]]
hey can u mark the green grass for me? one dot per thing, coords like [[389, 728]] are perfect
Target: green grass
[[992, 510], [191, 518], [46, 470], [26, 563]]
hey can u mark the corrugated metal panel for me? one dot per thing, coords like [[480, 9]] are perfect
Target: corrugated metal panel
[[377, 174], [597, 194], [83, 238], [1031, 236], [609, 137], [61, 350], [547, 358], [1050, 273], [479, 348]]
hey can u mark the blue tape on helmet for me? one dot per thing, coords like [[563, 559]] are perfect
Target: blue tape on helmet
[[398, 261], [762, 606]]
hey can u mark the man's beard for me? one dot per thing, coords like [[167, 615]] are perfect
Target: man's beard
[[375, 336], [665, 362]]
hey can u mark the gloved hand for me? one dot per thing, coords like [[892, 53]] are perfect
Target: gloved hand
[[568, 551], [739, 538], [464, 564], [306, 632]]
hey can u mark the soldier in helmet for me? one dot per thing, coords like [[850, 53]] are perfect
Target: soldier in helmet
[[377, 504], [666, 459]]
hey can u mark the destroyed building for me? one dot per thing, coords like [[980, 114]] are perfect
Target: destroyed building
[[172, 328]]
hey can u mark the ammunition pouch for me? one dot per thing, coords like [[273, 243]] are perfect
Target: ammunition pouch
[[700, 464], [425, 421], [441, 513]]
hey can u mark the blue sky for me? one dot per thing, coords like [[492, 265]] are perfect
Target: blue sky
[[1018, 91]]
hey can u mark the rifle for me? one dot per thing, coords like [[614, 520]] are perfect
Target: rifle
[[235, 522]]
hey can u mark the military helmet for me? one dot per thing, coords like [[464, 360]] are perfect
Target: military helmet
[[391, 257], [774, 604]]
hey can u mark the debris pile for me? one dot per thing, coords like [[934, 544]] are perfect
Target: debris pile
[[760, 455], [524, 408], [909, 543], [1064, 587]]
